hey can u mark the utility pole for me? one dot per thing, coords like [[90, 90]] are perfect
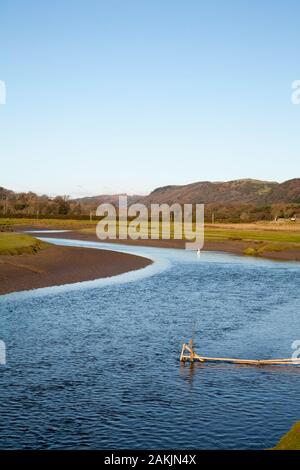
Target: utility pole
[[212, 217]]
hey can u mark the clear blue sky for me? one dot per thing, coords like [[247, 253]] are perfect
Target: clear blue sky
[[127, 95]]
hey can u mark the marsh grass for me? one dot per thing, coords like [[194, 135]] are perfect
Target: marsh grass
[[18, 244], [271, 236], [291, 440]]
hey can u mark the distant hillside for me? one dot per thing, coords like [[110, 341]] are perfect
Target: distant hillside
[[5, 193], [287, 192], [94, 201], [231, 201], [244, 191]]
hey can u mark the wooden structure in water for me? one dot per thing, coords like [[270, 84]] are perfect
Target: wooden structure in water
[[188, 354]]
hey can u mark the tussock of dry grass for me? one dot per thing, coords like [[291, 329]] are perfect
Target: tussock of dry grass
[[18, 244], [291, 440]]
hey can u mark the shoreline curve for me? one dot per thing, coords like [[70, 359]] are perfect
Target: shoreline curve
[[63, 265]]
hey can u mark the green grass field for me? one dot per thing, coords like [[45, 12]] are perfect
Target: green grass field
[[68, 224], [221, 234], [267, 236], [264, 240], [18, 244], [291, 440]]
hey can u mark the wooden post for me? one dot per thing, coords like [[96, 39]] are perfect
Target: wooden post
[[193, 356], [192, 353], [182, 352]]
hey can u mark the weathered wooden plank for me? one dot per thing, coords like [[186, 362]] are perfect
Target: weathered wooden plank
[[194, 356]]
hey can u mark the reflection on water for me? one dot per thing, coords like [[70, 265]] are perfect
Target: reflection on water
[[97, 365]]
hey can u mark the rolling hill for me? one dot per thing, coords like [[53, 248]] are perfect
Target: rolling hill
[[245, 191], [238, 200]]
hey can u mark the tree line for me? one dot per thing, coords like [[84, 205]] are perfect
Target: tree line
[[32, 205]]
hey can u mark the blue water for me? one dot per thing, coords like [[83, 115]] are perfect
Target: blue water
[[96, 365]]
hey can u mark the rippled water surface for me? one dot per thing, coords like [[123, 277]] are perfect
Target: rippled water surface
[[97, 366]]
